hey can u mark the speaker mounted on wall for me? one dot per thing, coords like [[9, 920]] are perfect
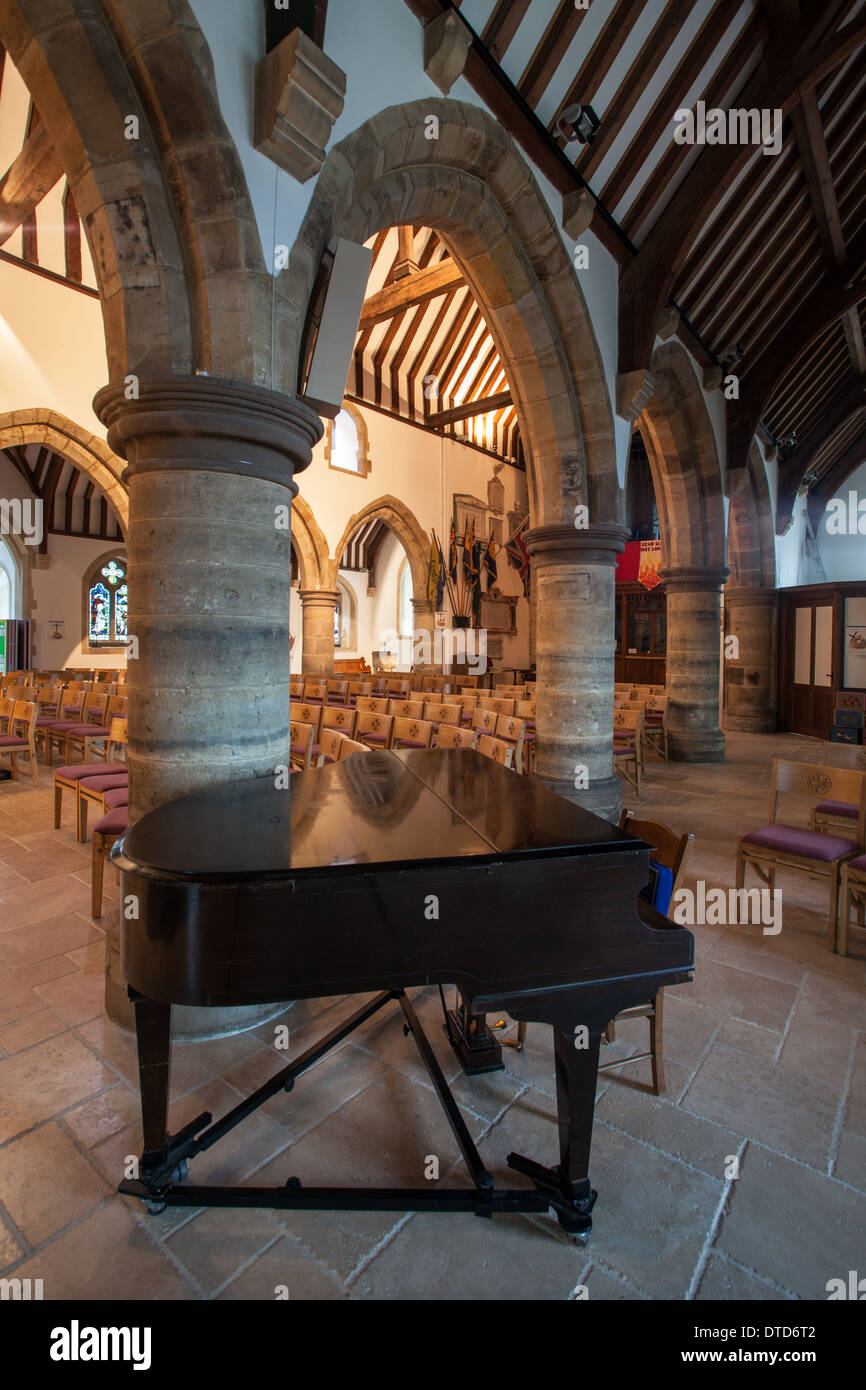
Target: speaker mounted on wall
[[333, 315]]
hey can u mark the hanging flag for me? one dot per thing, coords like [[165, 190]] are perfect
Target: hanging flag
[[519, 557], [433, 573], [490, 563], [468, 542], [475, 578], [452, 556], [650, 563], [440, 578]]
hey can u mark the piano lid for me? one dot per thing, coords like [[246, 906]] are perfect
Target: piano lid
[[373, 809]]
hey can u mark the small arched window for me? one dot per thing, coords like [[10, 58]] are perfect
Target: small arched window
[[106, 603], [405, 611], [346, 442]]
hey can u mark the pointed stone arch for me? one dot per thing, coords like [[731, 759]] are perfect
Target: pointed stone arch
[[87, 451], [175, 247], [471, 184], [685, 464], [406, 528], [311, 548], [687, 476], [751, 535]]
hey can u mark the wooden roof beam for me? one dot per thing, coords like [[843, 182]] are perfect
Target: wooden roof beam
[[470, 410], [647, 282], [795, 466], [833, 296], [411, 290], [27, 180], [838, 473]]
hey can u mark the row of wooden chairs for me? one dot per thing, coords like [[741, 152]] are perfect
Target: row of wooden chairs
[[104, 790], [384, 730], [341, 690], [333, 744]]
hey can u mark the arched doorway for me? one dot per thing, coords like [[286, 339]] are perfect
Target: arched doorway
[[687, 477], [469, 183]]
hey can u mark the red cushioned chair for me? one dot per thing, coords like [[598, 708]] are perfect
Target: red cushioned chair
[[105, 832], [782, 846], [92, 791], [68, 778]]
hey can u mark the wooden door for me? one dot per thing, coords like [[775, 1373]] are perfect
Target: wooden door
[[810, 686]]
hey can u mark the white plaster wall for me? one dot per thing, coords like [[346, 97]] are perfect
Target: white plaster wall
[[844, 556], [57, 593], [52, 347]]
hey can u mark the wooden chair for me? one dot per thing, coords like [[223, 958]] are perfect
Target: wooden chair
[[7, 705], [350, 746], [301, 745], [406, 709], [371, 704], [783, 846], [329, 747], [512, 731], [359, 688], [398, 688], [296, 687], [315, 693], [494, 703], [671, 850], [839, 816], [438, 712], [91, 736], [484, 721], [852, 896], [302, 713], [628, 744], [104, 793], [449, 736], [92, 721], [20, 739], [338, 717], [68, 779], [497, 749], [105, 833], [411, 733], [338, 691], [655, 731], [375, 728], [103, 688]]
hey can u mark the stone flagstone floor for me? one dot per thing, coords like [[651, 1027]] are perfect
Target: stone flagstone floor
[[766, 1062]]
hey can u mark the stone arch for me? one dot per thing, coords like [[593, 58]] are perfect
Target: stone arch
[[751, 537], [167, 215], [471, 184], [408, 531], [685, 464], [310, 546], [87, 451]]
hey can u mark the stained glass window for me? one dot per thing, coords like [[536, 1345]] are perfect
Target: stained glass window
[[107, 603]]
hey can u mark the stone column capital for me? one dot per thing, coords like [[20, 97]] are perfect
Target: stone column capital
[[423, 605], [209, 425], [324, 598], [563, 544], [750, 596], [694, 579]]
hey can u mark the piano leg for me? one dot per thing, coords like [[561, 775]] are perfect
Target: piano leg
[[153, 1034], [568, 1186]]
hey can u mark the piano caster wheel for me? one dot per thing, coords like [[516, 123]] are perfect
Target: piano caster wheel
[[580, 1238], [156, 1208], [181, 1172]]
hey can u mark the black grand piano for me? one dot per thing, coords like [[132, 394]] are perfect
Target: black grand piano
[[378, 874]]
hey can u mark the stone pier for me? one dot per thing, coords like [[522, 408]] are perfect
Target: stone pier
[[694, 653], [573, 585], [751, 615], [210, 468], [317, 613]]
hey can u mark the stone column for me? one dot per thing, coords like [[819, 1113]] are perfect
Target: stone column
[[573, 583], [317, 613], [210, 466], [693, 663], [751, 615], [423, 617]]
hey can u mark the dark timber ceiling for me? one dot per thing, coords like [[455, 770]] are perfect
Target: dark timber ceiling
[[73, 504], [765, 251]]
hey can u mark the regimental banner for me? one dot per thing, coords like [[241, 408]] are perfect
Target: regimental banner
[[650, 563]]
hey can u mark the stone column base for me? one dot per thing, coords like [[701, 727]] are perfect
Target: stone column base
[[751, 615], [693, 663]]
